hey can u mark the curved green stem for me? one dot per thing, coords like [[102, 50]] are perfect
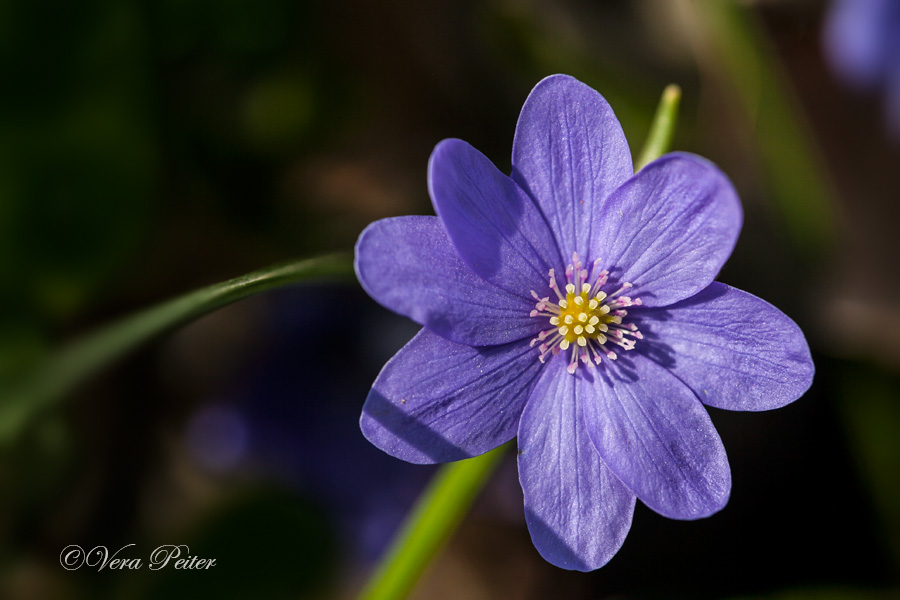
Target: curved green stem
[[47, 382]]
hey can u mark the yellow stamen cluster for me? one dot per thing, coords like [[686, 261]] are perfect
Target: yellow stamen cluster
[[586, 321], [582, 318]]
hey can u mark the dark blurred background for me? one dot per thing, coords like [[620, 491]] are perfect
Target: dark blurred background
[[149, 148]]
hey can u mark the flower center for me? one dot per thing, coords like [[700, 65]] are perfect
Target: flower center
[[586, 319]]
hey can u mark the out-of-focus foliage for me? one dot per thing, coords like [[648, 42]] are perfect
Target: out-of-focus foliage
[[150, 148]]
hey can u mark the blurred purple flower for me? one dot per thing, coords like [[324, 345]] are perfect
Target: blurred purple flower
[[217, 437], [601, 362], [862, 43]]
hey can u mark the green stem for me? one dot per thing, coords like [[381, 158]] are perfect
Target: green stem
[[442, 506], [438, 512], [51, 379], [663, 128]]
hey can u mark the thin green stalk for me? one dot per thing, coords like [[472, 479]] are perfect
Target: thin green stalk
[[439, 511], [663, 128], [444, 503], [26, 397]]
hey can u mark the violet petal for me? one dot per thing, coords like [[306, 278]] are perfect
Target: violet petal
[[670, 228], [655, 435], [495, 227], [409, 266], [437, 401], [569, 153], [734, 350], [578, 512], [857, 39]]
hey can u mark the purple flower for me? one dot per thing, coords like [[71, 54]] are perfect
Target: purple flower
[[573, 305], [862, 42]]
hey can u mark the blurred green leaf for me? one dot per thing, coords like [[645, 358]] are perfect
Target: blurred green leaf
[[437, 514], [735, 45], [279, 109], [23, 398], [78, 155], [870, 406]]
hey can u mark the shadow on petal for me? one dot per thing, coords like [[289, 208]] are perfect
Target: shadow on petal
[[494, 225], [402, 435], [652, 345], [551, 546], [734, 350], [623, 370]]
